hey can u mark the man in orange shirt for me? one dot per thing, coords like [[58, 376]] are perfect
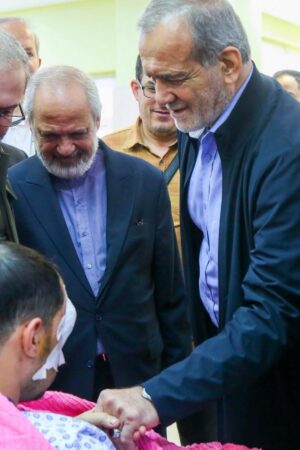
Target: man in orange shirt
[[152, 137]]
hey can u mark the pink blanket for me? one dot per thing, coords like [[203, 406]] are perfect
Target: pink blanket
[[16, 432], [153, 441], [70, 405]]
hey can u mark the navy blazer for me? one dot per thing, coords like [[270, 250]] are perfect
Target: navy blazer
[[15, 155], [252, 366], [140, 311]]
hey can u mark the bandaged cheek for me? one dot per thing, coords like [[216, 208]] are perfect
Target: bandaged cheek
[[56, 357]]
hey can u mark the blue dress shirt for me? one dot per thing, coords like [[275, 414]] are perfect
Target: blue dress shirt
[[83, 202], [204, 205]]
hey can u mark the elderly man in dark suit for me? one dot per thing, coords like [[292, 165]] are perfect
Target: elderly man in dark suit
[[240, 206], [13, 77], [104, 218]]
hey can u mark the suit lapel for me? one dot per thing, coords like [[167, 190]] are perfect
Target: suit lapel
[[121, 188], [189, 151], [42, 200]]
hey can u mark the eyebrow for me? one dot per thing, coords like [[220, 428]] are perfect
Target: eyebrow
[[47, 131], [168, 76]]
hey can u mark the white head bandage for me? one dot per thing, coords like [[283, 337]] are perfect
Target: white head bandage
[[56, 357]]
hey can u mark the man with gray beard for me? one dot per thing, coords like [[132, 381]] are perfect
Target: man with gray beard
[[104, 218], [239, 151]]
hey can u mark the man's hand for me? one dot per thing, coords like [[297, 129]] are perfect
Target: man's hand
[[135, 413], [100, 419]]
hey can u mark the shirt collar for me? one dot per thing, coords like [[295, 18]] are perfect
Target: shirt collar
[[135, 137]]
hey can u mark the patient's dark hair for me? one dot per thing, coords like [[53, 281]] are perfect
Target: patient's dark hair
[[30, 286]]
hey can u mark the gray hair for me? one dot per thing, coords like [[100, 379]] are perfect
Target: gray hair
[[213, 23], [12, 54], [10, 19], [139, 69], [56, 77]]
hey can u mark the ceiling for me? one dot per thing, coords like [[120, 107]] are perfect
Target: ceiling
[[14, 5]]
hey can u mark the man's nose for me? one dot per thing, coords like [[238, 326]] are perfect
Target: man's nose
[[163, 94], [65, 146]]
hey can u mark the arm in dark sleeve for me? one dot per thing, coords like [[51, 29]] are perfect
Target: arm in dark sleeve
[[266, 326]]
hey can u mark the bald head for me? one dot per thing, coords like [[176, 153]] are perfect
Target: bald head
[[213, 25], [19, 28], [290, 81], [57, 79]]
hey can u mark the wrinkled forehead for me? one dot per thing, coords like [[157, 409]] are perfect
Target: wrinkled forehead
[[61, 102], [59, 89], [168, 46]]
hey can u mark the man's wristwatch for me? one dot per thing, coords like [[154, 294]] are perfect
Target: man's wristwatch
[[146, 395]]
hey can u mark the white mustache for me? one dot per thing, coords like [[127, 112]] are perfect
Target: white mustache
[[173, 107]]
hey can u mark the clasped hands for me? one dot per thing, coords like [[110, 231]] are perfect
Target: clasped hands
[[127, 410]]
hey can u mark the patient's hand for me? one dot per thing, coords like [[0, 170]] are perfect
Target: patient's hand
[[100, 419], [136, 413]]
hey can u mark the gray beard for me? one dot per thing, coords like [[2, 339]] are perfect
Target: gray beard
[[68, 173]]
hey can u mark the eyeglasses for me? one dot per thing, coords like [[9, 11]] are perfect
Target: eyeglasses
[[148, 90], [9, 117]]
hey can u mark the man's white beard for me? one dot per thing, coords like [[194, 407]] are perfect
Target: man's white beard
[[69, 173]]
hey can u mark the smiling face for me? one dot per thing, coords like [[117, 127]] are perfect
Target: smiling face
[[194, 95], [64, 129], [156, 118]]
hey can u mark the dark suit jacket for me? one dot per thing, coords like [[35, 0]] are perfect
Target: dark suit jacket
[[15, 155], [8, 156], [140, 311], [252, 366]]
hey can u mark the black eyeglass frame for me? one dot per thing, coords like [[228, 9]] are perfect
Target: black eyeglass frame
[[146, 87], [8, 116]]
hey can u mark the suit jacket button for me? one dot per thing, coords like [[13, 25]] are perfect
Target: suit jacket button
[[90, 364], [98, 317]]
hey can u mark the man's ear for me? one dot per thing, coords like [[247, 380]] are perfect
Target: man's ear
[[230, 61], [31, 337], [135, 88]]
